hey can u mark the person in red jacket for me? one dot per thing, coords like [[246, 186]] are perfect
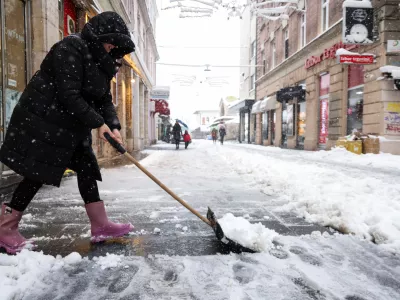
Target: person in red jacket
[[186, 139]]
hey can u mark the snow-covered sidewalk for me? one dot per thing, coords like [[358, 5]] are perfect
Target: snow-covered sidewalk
[[357, 194], [173, 255]]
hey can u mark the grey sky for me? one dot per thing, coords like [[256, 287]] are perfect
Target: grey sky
[[216, 31]]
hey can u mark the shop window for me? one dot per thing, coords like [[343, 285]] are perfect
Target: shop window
[[355, 110], [301, 124], [284, 124], [303, 31], [273, 126], [15, 55], [324, 108], [265, 125], [325, 15]]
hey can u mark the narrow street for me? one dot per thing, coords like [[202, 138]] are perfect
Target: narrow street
[[173, 255]]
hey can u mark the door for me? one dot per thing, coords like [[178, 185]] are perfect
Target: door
[[13, 58]]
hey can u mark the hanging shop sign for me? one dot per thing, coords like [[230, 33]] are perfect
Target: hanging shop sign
[[329, 53], [356, 59], [161, 107], [358, 22], [289, 93]]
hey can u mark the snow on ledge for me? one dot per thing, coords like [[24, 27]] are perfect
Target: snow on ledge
[[342, 51], [357, 3]]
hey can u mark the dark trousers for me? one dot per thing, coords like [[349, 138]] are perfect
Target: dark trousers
[[186, 145], [27, 189], [222, 139]]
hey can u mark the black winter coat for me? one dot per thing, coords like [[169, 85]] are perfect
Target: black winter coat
[[50, 128]]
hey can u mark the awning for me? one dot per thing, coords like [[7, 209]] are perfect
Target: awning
[[242, 106], [256, 108], [268, 103]]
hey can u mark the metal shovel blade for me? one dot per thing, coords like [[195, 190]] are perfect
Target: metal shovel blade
[[230, 244]]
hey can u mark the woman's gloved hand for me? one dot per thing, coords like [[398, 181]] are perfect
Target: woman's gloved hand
[[105, 129]]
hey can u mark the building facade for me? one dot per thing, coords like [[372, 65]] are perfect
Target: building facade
[[248, 43], [308, 99], [29, 28]]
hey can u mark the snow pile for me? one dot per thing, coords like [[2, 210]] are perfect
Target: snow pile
[[28, 269], [323, 188], [252, 236], [108, 261]]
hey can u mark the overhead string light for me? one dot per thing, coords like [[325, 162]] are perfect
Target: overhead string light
[[234, 8]]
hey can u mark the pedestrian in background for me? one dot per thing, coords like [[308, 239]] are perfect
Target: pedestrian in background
[[214, 135], [177, 133], [222, 132], [50, 128], [186, 139]]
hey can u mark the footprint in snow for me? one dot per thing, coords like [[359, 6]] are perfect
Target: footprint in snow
[[123, 279], [243, 274]]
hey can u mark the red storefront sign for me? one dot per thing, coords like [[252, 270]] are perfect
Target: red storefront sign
[[323, 132], [69, 17], [357, 59], [161, 107], [329, 53]]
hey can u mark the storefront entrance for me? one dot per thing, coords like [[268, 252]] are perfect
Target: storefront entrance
[[13, 46]]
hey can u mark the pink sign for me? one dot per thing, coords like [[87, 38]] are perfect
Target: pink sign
[[323, 132]]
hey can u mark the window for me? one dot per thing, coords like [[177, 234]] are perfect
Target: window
[[286, 44], [303, 40], [273, 55], [252, 82], [253, 49], [264, 62], [325, 15]]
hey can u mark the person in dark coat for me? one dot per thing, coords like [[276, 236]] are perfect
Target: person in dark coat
[[177, 132], [50, 128], [222, 132]]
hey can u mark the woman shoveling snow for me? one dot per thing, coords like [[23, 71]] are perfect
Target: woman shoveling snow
[[50, 128]]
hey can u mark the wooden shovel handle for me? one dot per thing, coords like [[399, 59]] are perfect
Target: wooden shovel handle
[[122, 150]]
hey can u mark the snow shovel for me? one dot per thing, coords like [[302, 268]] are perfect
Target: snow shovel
[[211, 220]]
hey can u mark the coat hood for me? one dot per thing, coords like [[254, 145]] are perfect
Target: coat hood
[[109, 27]]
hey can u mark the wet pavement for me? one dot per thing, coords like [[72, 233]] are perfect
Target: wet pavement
[[56, 218]]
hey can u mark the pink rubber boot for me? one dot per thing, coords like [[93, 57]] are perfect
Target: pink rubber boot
[[102, 228], [10, 238]]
